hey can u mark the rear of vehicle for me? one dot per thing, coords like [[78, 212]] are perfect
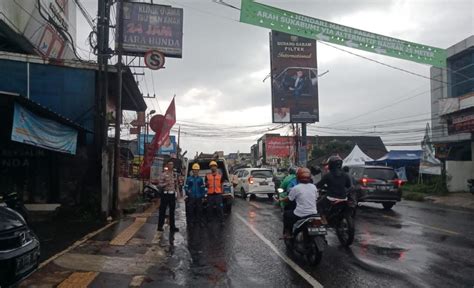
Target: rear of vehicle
[[228, 192], [377, 184], [257, 181], [19, 248]]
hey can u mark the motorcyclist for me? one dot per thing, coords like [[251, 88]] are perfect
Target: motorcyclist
[[337, 183], [289, 182], [305, 195]]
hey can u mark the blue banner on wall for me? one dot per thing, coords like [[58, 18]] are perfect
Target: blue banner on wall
[[31, 129], [168, 148]]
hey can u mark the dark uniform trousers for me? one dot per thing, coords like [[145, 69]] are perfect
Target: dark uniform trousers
[[215, 201], [167, 200]]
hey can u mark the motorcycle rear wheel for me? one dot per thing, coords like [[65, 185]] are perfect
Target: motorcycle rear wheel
[[345, 230], [314, 256]]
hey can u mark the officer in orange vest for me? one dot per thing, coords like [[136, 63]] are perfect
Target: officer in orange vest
[[215, 188]]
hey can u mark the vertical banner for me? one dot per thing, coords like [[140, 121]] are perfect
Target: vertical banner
[[294, 73]]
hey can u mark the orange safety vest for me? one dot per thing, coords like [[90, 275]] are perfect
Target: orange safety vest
[[214, 183]]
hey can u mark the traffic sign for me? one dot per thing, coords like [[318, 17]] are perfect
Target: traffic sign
[[154, 59]]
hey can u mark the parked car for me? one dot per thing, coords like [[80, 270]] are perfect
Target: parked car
[[255, 181], [223, 169], [19, 248], [377, 184]]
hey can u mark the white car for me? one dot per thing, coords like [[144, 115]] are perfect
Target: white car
[[255, 181]]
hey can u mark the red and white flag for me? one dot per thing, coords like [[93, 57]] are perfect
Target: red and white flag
[[162, 133]]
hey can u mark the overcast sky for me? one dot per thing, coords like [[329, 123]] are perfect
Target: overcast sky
[[219, 78]]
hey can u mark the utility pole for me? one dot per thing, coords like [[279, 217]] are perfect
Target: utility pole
[[102, 89], [118, 109], [304, 143]]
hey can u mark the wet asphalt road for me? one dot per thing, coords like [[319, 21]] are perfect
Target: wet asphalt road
[[414, 245]]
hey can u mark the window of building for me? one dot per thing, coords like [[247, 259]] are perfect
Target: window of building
[[461, 73]]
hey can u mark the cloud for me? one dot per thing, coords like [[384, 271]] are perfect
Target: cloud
[[219, 79]]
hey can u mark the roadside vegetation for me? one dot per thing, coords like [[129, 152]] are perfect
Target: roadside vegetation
[[431, 186]]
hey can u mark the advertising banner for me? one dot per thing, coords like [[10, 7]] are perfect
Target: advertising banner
[[45, 133], [150, 26], [294, 79], [289, 22], [278, 147], [461, 123], [168, 148]]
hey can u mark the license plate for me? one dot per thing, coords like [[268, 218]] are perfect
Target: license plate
[[317, 231], [263, 183], [384, 188], [25, 263]]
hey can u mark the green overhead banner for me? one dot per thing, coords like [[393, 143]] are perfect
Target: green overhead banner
[[285, 21]]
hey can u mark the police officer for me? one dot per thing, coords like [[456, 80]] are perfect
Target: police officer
[[215, 188], [169, 183], [195, 191]]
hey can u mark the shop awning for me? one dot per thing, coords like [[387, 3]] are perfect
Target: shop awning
[[132, 98]]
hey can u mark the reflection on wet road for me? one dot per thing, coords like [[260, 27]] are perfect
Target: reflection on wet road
[[414, 245]]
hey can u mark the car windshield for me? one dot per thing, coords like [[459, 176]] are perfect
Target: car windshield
[[383, 174], [262, 174]]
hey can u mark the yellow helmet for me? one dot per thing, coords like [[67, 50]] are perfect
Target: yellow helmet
[[196, 166], [213, 163]]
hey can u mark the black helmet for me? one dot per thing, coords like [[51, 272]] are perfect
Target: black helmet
[[334, 162]]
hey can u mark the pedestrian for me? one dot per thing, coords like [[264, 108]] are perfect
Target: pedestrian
[[195, 192], [169, 183], [215, 189]]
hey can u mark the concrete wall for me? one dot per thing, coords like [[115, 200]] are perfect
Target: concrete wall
[[129, 191], [458, 172]]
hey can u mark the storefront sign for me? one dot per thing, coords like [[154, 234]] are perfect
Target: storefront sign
[[294, 79], [462, 123], [151, 26], [289, 22], [31, 129]]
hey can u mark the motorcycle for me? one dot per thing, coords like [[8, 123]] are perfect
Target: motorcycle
[[470, 184], [150, 192], [308, 237], [340, 216]]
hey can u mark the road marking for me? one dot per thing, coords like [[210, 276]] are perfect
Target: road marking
[[129, 232], [79, 280], [255, 205], [75, 245], [288, 261], [423, 225], [137, 281]]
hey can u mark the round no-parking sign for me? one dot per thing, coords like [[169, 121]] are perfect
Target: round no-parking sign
[[154, 59]]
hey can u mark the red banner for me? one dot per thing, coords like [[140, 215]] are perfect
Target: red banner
[[162, 126]]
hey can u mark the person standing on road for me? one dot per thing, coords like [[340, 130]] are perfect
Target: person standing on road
[[195, 191], [215, 188], [169, 183]]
